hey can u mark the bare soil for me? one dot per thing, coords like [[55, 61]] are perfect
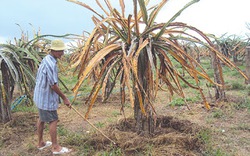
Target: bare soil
[[178, 133]]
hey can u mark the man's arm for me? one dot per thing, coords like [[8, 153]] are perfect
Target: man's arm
[[60, 93]]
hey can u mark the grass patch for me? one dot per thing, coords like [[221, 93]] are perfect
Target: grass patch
[[181, 101], [75, 139], [22, 104], [206, 137], [218, 113], [115, 113], [243, 126], [219, 152], [25, 109], [237, 86], [113, 152], [243, 104], [177, 102], [248, 89]]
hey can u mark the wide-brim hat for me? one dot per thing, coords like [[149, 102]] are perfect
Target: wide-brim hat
[[57, 45]]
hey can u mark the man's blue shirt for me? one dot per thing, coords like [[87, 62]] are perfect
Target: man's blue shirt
[[44, 97]]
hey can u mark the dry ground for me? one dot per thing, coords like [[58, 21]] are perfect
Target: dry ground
[[224, 130]]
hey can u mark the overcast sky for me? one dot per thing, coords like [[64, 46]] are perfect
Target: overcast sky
[[59, 17]]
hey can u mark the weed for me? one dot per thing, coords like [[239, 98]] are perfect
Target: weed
[[219, 152], [205, 136], [127, 105], [23, 108], [234, 73], [184, 85], [1, 143], [149, 150], [110, 120], [217, 113], [244, 127], [210, 73], [210, 85], [100, 124], [61, 131], [31, 147], [115, 113], [75, 139], [177, 102], [181, 101], [69, 137], [244, 104], [113, 152], [248, 89], [237, 86]]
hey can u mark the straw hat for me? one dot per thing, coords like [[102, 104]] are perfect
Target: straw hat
[[57, 45]]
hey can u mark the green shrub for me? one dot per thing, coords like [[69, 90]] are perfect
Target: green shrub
[[181, 101], [237, 86], [177, 102]]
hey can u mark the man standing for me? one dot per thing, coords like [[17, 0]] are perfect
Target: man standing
[[46, 97]]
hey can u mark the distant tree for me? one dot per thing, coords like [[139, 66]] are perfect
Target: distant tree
[[232, 47], [248, 57], [248, 64]]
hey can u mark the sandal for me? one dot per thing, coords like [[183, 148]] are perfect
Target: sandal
[[63, 151], [47, 144]]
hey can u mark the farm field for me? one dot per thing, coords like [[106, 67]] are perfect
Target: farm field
[[150, 63]]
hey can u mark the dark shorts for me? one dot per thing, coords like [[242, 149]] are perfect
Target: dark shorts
[[47, 116]]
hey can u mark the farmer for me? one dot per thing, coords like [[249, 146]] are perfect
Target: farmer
[[46, 97]]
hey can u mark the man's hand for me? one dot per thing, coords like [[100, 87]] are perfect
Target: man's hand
[[67, 102], [60, 93]]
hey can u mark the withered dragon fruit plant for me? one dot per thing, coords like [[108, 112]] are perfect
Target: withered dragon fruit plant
[[141, 55]]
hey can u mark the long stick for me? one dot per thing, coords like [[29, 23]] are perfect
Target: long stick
[[93, 125]]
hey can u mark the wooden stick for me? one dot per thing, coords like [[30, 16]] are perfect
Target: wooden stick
[[93, 125]]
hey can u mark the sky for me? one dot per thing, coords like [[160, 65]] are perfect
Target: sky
[[58, 17]]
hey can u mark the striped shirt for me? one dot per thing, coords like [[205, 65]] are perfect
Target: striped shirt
[[44, 97]]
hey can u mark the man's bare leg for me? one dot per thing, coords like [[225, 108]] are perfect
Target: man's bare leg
[[40, 128], [53, 135]]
